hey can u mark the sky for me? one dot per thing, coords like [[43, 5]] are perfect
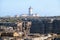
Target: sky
[[41, 7]]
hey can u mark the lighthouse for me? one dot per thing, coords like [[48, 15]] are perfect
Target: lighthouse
[[30, 11]]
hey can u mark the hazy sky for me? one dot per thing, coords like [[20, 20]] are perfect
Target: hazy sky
[[41, 7]]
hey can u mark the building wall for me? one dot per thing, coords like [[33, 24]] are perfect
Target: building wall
[[56, 26], [44, 26], [37, 27]]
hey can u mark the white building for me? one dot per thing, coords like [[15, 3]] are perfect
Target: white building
[[30, 13]]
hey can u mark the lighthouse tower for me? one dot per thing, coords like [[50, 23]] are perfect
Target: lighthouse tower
[[30, 11]]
